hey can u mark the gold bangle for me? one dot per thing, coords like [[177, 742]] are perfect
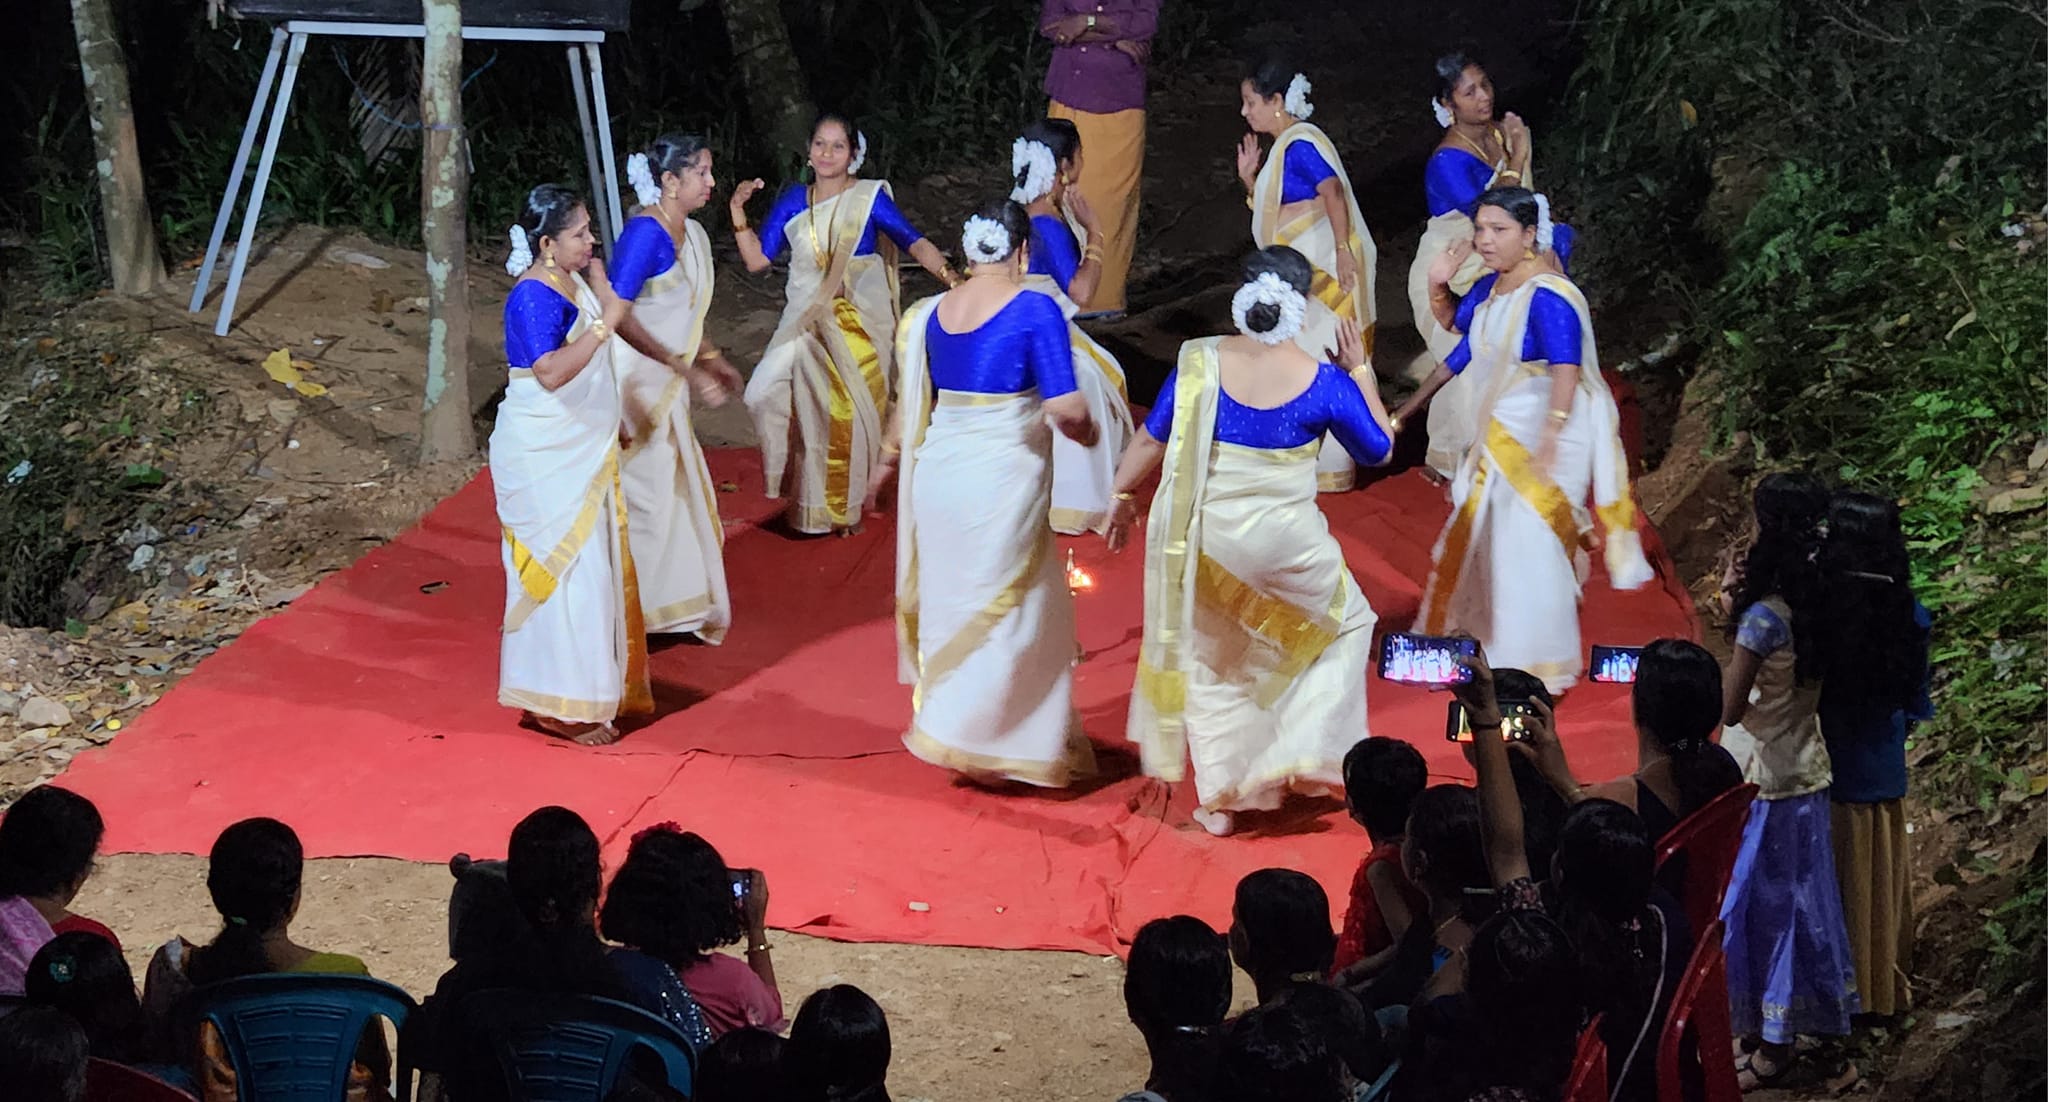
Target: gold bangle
[[1560, 415], [1124, 495], [601, 329], [1394, 423], [742, 227]]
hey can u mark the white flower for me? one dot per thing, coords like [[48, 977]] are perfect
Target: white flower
[[522, 253], [1544, 230], [860, 153], [641, 177], [1269, 289], [985, 241], [2013, 229], [1034, 162], [1297, 103], [1444, 118]]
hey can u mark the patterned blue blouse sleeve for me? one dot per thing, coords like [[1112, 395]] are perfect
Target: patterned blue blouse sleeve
[[887, 218], [1050, 348], [1554, 333], [1054, 252], [1159, 419], [775, 228], [1351, 419], [644, 251], [1761, 632], [537, 317]]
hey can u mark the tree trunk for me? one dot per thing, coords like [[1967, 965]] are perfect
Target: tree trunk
[[124, 208], [445, 431], [777, 96]]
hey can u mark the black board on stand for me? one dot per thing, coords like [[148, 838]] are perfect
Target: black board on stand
[[594, 15]]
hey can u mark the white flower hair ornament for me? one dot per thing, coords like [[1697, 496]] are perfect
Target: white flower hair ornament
[[1545, 231], [1269, 289], [1444, 118], [985, 241], [522, 253], [641, 177], [1297, 103], [1034, 162], [860, 154]]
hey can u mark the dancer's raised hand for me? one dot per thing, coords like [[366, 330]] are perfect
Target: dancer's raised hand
[[1083, 212], [1248, 160], [1447, 263], [613, 307], [737, 205], [1350, 351]]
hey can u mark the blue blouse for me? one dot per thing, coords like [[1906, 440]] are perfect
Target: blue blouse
[[1054, 252], [882, 216], [1023, 345], [537, 319], [1332, 404], [644, 251], [1553, 335], [1867, 740], [1454, 179], [1303, 172]]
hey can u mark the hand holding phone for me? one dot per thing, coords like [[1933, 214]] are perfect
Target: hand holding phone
[[1411, 659]]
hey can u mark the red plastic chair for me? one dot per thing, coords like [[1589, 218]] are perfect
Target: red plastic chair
[[106, 1081], [1710, 839], [1699, 1013], [1589, 1067]]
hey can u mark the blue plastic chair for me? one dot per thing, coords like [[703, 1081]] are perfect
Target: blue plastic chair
[[291, 1037], [573, 1048]]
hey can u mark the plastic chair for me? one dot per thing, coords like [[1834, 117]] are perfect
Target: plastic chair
[[106, 1081], [1699, 1012], [1709, 839], [573, 1048], [1589, 1066], [291, 1037]]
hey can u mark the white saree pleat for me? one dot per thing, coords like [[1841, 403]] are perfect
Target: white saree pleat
[[677, 539], [1450, 411], [1084, 477]]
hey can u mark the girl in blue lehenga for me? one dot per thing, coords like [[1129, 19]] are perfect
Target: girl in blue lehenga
[[1789, 965]]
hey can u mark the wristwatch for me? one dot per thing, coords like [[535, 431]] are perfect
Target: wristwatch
[[1091, 22]]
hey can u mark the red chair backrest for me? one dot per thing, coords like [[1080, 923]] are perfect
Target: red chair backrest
[[1589, 1066], [1699, 1012], [106, 1081], [1710, 839]]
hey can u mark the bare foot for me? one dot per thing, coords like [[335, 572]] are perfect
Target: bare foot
[[582, 734], [1219, 823], [853, 529]]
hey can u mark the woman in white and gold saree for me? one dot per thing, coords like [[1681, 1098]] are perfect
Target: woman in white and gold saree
[[1302, 198], [1046, 162], [1256, 635], [573, 654], [663, 266], [819, 393], [985, 624], [1511, 562]]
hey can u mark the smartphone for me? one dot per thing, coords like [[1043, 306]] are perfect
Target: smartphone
[[1412, 659], [741, 879], [1615, 665], [1515, 718]]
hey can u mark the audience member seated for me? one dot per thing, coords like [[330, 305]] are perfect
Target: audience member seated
[[672, 905], [1280, 931], [254, 874], [554, 875], [47, 842], [1177, 990], [1382, 777], [43, 1056], [1351, 1034], [743, 1065], [1276, 1054], [1443, 856], [85, 975], [838, 1049]]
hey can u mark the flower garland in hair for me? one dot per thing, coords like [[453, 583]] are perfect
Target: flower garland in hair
[[522, 253], [1544, 229], [985, 241], [668, 827], [1297, 103], [860, 153], [641, 177], [1444, 118], [1034, 162], [1268, 289]]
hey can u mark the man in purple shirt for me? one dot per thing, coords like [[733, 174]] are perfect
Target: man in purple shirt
[[1097, 81]]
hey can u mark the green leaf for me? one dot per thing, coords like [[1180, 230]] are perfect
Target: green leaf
[[137, 475], [75, 628]]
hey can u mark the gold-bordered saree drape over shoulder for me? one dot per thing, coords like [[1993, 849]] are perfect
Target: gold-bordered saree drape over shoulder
[[1511, 561], [573, 646], [818, 395], [1084, 477], [985, 624], [1450, 411], [677, 539], [1256, 635], [1308, 231]]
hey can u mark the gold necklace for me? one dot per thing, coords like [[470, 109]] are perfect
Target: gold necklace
[[1479, 150], [823, 253], [563, 286]]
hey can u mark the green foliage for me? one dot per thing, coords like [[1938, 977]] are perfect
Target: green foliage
[[70, 258], [2015, 930]]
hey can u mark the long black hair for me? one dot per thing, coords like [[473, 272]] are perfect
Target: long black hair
[[1281, 926], [253, 874], [674, 152], [43, 1055], [672, 899], [838, 1049], [1277, 1054], [1382, 777], [47, 842], [1284, 262], [1874, 648], [1523, 981], [1677, 702], [548, 210], [85, 976], [1270, 75], [1791, 508], [1605, 863], [1449, 70], [1177, 991], [1060, 136], [1014, 219], [743, 1065]]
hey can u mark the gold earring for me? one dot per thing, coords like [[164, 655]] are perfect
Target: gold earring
[[547, 257], [1528, 253]]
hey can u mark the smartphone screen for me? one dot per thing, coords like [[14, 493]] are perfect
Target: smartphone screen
[[740, 879], [1412, 659], [1615, 665], [1515, 716]]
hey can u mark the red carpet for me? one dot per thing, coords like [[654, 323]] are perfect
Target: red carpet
[[365, 716]]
